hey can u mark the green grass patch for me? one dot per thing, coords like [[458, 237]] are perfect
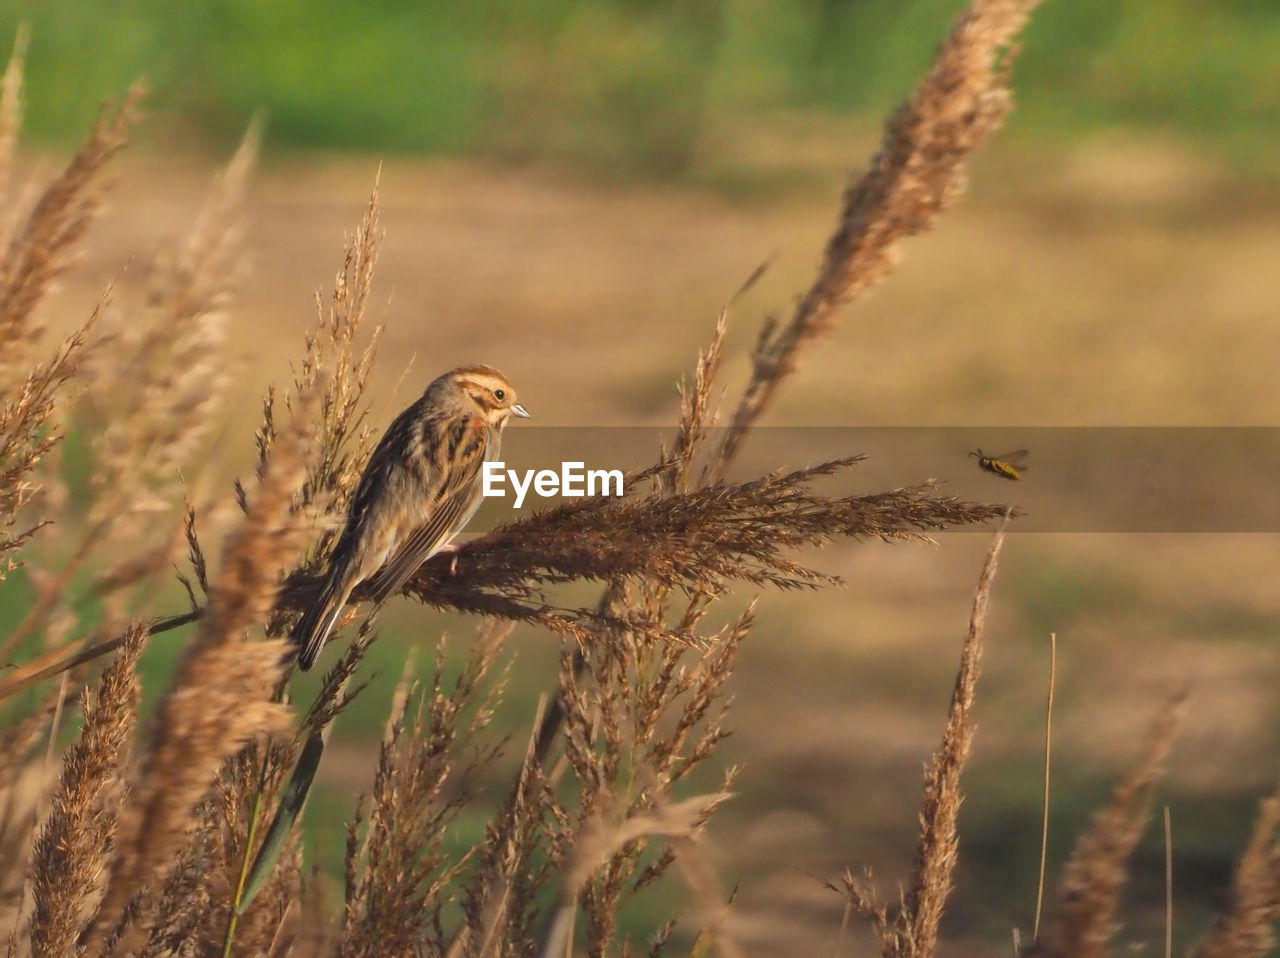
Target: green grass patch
[[626, 86], [1053, 596]]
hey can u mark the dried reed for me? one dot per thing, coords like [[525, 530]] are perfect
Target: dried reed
[[221, 696], [915, 175], [1245, 926], [913, 929], [45, 244], [1097, 870], [71, 845]]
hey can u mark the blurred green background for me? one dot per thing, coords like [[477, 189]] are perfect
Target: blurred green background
[[650, 86]]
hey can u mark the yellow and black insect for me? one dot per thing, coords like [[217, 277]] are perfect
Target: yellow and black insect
[[1010, 465]]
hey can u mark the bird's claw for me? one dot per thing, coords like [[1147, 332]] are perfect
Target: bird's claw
[[451, 548]]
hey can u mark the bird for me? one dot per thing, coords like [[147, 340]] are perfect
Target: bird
[[420, 488]]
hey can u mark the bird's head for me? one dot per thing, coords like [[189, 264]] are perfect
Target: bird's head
[[489, 392]]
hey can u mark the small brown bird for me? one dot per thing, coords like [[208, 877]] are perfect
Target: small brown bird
[[422, 485]]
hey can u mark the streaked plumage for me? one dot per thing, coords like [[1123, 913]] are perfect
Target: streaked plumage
[[421, 487]]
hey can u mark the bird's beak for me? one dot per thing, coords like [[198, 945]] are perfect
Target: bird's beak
[[519, 411]]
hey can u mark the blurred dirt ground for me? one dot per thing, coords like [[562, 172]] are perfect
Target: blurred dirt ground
[[1126, 282]]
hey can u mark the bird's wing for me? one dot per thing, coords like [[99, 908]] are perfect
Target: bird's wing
[[454, 506]]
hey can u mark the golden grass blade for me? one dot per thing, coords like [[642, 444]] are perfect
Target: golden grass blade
[[860, 895], [1244, 926], [11, 117], [222, 694], [66, 657], [598, 843], [559, 941], [156, 394], [713, 908], [331, 355], [845, 915], [741, 531], [1168, 885], [71, 844], [426, 773], [486, 897], [52, 745], [43, 247], [697, 412], [917, 173], [931, 881], [28, 432], [1048, 750], [20, 737], [1095, 875], [333, 698], [292, 800]]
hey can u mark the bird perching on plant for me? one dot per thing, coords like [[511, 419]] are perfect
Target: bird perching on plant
[[420, 488]]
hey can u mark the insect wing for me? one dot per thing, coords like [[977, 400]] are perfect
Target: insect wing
[[1017, 459]]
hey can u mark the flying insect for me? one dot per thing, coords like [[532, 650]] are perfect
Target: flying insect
[[1010, 465]]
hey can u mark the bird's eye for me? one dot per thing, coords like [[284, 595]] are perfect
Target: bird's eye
[[499, 394]]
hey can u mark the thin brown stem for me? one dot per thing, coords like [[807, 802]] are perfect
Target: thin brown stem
[[68, 657], [233, 916], [1044, 818], [1168, 885]]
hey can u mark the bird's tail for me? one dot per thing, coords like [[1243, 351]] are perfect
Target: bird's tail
[[317, 622]]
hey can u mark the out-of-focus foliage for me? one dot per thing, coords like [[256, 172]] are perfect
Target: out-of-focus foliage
[[628, 84]]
